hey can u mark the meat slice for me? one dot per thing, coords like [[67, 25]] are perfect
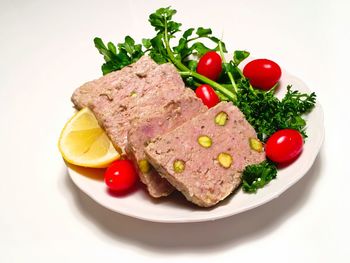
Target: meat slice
[[204, 158], [137, 78], [170, 116], [116, 116]]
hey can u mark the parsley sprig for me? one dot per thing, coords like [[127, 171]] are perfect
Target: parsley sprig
[[263, 110], [258, 175]]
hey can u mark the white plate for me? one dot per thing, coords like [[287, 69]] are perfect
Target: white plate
[[177, 210]]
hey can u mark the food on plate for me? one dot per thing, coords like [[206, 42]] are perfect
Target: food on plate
[[116, 116], [161, 121], [210, 65], [262, 73], [204, 144], [131, 81], [206, 173], [154, 89], [207, 95], [82, 142], [124, 82], [257, 176], [284, 145], [121, 176]]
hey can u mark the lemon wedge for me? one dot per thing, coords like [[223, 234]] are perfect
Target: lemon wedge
[[83, 142]]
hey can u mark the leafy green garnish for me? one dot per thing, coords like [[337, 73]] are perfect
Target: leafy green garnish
[[239, 56], [258, 175], [126, 54], [263, 110], [267, 114]]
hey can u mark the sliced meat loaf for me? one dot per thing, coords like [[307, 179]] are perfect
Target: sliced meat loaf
[[204, 157], [116, 116], [137, 78], [168, 117]]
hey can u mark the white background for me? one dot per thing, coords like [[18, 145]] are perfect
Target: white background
[[46, 51]]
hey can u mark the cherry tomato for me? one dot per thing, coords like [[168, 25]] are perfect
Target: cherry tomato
[[207, 94], [284, 145], [210, 65], [262, 73], [120, 176]]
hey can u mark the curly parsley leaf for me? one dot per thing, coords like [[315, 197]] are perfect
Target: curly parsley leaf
[[258, 175], [297, 102], [267, 114]]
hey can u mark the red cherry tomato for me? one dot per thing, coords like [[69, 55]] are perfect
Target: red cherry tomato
[[210, 65], [207, 94], [120, 176], [262, 73], [284, 145]]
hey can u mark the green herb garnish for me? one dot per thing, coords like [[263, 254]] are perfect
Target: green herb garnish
[[258, 175], [118, 57], [267, 114]]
